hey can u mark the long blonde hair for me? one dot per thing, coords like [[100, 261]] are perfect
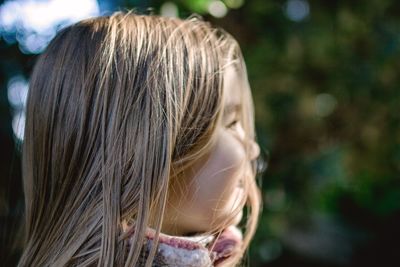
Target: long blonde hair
[[118, 107]]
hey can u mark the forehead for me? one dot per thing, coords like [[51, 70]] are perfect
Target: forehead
[[232, 88]]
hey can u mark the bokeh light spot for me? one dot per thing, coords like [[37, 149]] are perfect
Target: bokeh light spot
[[217, 9], [169, 9], [297, 10], [325, 104], [17, 92]]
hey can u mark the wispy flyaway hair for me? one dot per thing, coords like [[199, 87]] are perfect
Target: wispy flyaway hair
[[118, 107]]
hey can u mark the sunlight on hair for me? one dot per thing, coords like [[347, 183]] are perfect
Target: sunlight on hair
[[125, 143], [34, 23]]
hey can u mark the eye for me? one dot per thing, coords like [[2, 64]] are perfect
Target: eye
[[232, 124]]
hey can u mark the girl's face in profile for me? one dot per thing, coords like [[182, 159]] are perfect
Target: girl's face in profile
[[214, 189]]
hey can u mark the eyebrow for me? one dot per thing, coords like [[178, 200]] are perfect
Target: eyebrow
[[232, 108]]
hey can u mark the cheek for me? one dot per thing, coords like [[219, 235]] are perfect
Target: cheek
[[215, 185]]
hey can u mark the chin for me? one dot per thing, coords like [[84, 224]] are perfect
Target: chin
[[238, 218], [234, 221]]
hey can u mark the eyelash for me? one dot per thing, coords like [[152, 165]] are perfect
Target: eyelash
[[233, 123]]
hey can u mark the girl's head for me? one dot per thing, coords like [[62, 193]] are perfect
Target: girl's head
[[135, 120]]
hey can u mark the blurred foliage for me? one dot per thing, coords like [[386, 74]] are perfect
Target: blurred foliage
[[327, 98], [327, 110]]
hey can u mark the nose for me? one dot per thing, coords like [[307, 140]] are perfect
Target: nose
[[254, 150]]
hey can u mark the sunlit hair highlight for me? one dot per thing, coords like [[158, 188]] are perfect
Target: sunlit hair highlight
[[119, 107]]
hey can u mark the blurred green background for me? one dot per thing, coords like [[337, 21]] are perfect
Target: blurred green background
[[325, 79]]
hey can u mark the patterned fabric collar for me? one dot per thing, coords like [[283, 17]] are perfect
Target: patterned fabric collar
[[198, 251]]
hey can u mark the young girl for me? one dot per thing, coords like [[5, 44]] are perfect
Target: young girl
[[139, 146]]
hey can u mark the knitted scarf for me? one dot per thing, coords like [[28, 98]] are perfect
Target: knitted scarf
[[198, 251]]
